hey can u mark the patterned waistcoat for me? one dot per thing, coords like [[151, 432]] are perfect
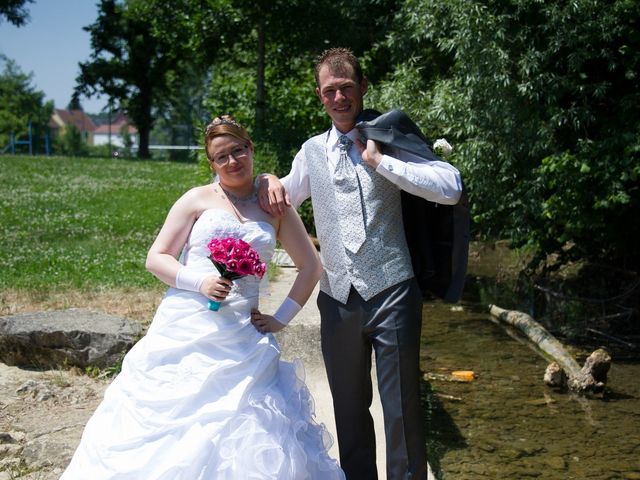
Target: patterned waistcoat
[[383, 259]]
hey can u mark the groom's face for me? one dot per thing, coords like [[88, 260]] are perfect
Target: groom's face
[[341, 95]]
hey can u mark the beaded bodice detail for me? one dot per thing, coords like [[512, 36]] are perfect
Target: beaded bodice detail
[[219, 223]]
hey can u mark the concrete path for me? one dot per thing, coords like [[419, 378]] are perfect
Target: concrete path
[[301, 339]]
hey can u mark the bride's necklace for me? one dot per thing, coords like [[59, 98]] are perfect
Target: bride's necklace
[[239, 201]]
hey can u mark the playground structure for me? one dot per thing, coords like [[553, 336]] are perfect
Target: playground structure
[[30, 142], [13, 142]]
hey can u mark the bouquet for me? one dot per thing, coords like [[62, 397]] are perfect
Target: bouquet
[[234, 258]]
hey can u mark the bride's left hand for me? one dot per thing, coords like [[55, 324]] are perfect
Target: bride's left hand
[[265, 323]]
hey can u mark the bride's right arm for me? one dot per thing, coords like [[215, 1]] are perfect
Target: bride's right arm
[[162, 256]]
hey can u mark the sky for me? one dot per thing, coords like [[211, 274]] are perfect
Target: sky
[[50, 45]]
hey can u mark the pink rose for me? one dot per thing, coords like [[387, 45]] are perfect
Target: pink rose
[[245, 267], [232, 265], [218, 254], [259, 269], [237, 253]]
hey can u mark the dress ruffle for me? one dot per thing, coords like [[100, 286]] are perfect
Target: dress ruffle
[[277, 437]]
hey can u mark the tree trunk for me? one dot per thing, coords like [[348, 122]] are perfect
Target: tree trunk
[[260, 86], [592, 377], [143, 119], [143, 139]]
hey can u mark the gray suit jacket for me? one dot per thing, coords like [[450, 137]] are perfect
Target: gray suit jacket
[[437, 235]]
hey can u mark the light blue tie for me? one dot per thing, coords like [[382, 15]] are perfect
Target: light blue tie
[[349, 198]]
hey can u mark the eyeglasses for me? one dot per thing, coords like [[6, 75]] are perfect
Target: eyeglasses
[[239, 153]]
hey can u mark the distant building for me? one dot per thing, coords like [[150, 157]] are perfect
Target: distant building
[[62, 119], [115, 130]]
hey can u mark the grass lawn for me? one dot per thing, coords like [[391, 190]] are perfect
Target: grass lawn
[[75, 228]]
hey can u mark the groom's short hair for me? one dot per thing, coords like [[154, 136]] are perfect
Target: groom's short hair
[[337, 59]]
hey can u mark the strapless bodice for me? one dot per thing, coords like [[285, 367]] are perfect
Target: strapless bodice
[[218, 223]]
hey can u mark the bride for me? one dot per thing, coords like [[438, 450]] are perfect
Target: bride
[[205, 395]]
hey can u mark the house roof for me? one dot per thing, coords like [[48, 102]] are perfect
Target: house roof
[[115, 128], [77, 118]]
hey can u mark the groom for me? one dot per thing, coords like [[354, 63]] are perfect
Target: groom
[[369, 298]]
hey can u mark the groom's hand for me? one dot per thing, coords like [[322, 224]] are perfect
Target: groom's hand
[[371, 152], [272, 196]]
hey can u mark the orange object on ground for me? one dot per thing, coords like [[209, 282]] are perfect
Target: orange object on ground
[[464, 375]]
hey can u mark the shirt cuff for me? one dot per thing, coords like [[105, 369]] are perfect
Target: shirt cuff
[[390, 168]]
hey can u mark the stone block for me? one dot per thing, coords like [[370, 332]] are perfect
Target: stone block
[[73, 337]]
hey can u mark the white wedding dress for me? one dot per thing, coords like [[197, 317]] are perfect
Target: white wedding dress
[[204, 395]]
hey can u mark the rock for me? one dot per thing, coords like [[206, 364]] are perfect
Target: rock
[[72, 337], [7, 438], [554, 376], [46, 451], [37, 434], [593, 375], [556, 463], [9, 451], [37, 390], [598, 365]]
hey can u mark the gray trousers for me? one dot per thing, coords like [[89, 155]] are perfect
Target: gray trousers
[[390, 324]]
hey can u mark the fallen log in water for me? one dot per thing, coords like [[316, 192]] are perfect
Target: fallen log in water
[[564, 370]]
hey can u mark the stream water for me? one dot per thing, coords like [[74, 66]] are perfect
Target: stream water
[[506, 424]]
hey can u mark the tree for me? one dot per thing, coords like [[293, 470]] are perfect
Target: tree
[[74, 103], [264, 70], [181, 117], [20, 103], [72, 143], [14, 11], [542, 102], [318, 23], [203, 37], [129, 63]]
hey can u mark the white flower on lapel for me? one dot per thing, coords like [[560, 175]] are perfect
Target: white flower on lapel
[[442, 147]]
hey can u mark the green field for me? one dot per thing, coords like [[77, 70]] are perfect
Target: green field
[[79, 223]]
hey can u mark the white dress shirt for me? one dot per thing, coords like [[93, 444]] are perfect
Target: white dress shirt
[[432, 180]]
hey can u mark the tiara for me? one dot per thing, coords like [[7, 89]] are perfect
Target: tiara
[[222, 120]]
